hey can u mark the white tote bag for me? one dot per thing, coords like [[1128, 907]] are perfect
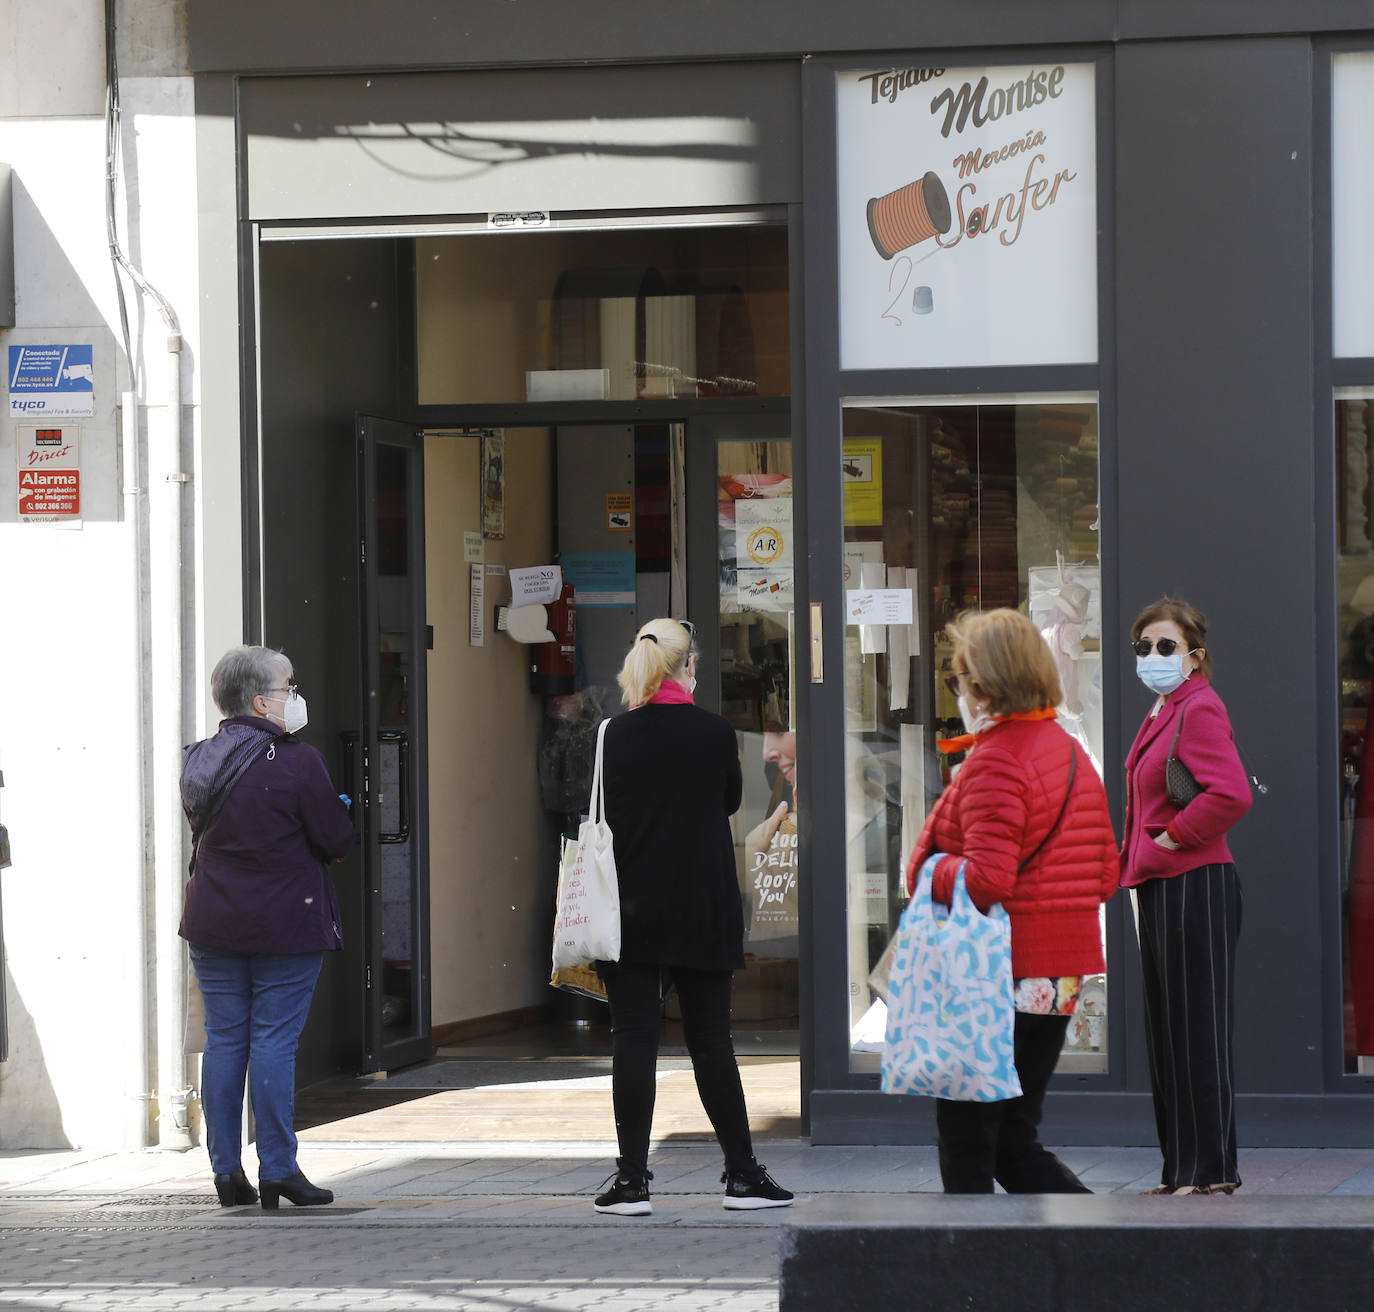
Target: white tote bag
[[587, 927]]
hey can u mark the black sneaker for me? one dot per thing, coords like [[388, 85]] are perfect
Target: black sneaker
[[747, 1191], [628, 1195]]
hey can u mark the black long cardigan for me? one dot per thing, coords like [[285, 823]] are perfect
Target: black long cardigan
[[672, 782]]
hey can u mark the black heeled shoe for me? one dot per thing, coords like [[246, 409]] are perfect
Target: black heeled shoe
[[234, 1190], [295, 1189]]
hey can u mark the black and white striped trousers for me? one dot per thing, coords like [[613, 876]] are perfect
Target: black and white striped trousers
[[1189, 926]]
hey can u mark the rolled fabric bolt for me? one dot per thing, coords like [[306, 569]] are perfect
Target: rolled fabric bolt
[[923, 300], [909, 215]]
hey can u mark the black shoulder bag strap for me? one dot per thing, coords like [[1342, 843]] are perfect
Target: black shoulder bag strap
[[1063, 806], [222, 795], [1251, 777]]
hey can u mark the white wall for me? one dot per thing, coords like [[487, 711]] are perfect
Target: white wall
[[76, 978]]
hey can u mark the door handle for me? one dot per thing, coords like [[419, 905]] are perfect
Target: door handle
[[348, 775], [817, 645], [402, 741]]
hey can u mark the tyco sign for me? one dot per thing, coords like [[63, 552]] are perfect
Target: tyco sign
[[51, 381]]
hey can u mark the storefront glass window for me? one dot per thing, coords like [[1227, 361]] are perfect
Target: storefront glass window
[[602, 316], [947, 507], [1355, 610]]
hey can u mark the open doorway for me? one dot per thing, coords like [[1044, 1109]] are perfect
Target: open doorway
[[612, 402]]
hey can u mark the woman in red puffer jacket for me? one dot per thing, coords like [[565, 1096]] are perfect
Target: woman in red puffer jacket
[[1027, 816]]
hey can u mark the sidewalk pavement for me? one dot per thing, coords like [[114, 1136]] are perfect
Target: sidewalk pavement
[[482, 1226]]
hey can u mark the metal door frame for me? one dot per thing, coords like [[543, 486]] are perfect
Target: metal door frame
[[377, 1053]]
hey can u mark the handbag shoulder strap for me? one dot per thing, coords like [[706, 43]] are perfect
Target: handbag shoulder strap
[[598, 798], [1173, 742], [1063, 806], [1251, 777]]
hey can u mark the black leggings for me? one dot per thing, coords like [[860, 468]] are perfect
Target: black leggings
[[985, 1141], [634, 992]]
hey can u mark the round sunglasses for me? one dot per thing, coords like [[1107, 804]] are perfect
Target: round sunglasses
[[1165, 647]]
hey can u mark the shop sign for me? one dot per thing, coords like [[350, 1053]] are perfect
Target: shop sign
[[967, 216], [1352, 201], [51, 382], [49, 458], [763, 554]]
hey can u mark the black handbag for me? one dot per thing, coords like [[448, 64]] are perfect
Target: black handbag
[[1180, 787]]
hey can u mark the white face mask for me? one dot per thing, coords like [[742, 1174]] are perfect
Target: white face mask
[[692, 684], [294, 717], [974, 721]]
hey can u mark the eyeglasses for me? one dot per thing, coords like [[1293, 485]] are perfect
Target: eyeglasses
[[1165, 646], [289, 690], [952, 682]]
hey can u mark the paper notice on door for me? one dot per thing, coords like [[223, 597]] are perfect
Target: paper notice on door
[[537, 586], [899, 650], [877, 606], [914, 633], [866, 606], [477, 606], [912, 740]]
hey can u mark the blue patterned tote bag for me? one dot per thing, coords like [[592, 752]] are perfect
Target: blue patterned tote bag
[[950, 1016]]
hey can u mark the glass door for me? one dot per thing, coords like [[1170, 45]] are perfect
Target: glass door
[[391, 763], [742, 496]]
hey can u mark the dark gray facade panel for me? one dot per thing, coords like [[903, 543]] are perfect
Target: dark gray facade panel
[[308, 35], [1159, 19], [565, 139], [259, 36], [1215, 466]]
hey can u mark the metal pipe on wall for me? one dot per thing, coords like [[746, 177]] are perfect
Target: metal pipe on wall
[[136, 1071], [166, 480]]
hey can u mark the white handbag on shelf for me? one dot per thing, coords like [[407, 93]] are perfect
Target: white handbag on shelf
[[587, 926]]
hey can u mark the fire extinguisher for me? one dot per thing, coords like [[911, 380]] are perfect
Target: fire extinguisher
[[553, 672]]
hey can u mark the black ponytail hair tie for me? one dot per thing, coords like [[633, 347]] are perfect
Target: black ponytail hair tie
[[649, 637]]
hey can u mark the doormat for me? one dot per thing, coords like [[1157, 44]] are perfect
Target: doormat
[[452, 1074]]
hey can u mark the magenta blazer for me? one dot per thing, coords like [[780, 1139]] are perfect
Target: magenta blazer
[[1207, 747]]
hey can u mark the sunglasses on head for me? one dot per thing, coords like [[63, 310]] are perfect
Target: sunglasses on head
[[1165, 646]]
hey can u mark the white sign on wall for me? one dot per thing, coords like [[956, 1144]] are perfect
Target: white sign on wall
[[967, 216], [1352, 198]]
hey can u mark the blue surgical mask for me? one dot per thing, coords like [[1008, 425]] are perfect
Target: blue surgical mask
[[1161, 674]]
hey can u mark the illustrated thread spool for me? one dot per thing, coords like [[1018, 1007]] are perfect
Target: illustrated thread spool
[[908, 215]]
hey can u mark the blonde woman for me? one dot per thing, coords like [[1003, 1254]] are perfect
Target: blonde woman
[[672, 777]]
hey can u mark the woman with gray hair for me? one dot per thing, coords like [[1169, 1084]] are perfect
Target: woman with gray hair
[[260, 912]]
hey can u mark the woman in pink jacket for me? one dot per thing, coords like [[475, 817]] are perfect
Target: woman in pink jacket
[[1187, 897]]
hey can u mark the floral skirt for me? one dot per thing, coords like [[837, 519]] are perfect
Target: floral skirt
[[1038, 996]]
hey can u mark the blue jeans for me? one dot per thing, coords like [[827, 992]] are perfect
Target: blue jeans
[[255, 1009]]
